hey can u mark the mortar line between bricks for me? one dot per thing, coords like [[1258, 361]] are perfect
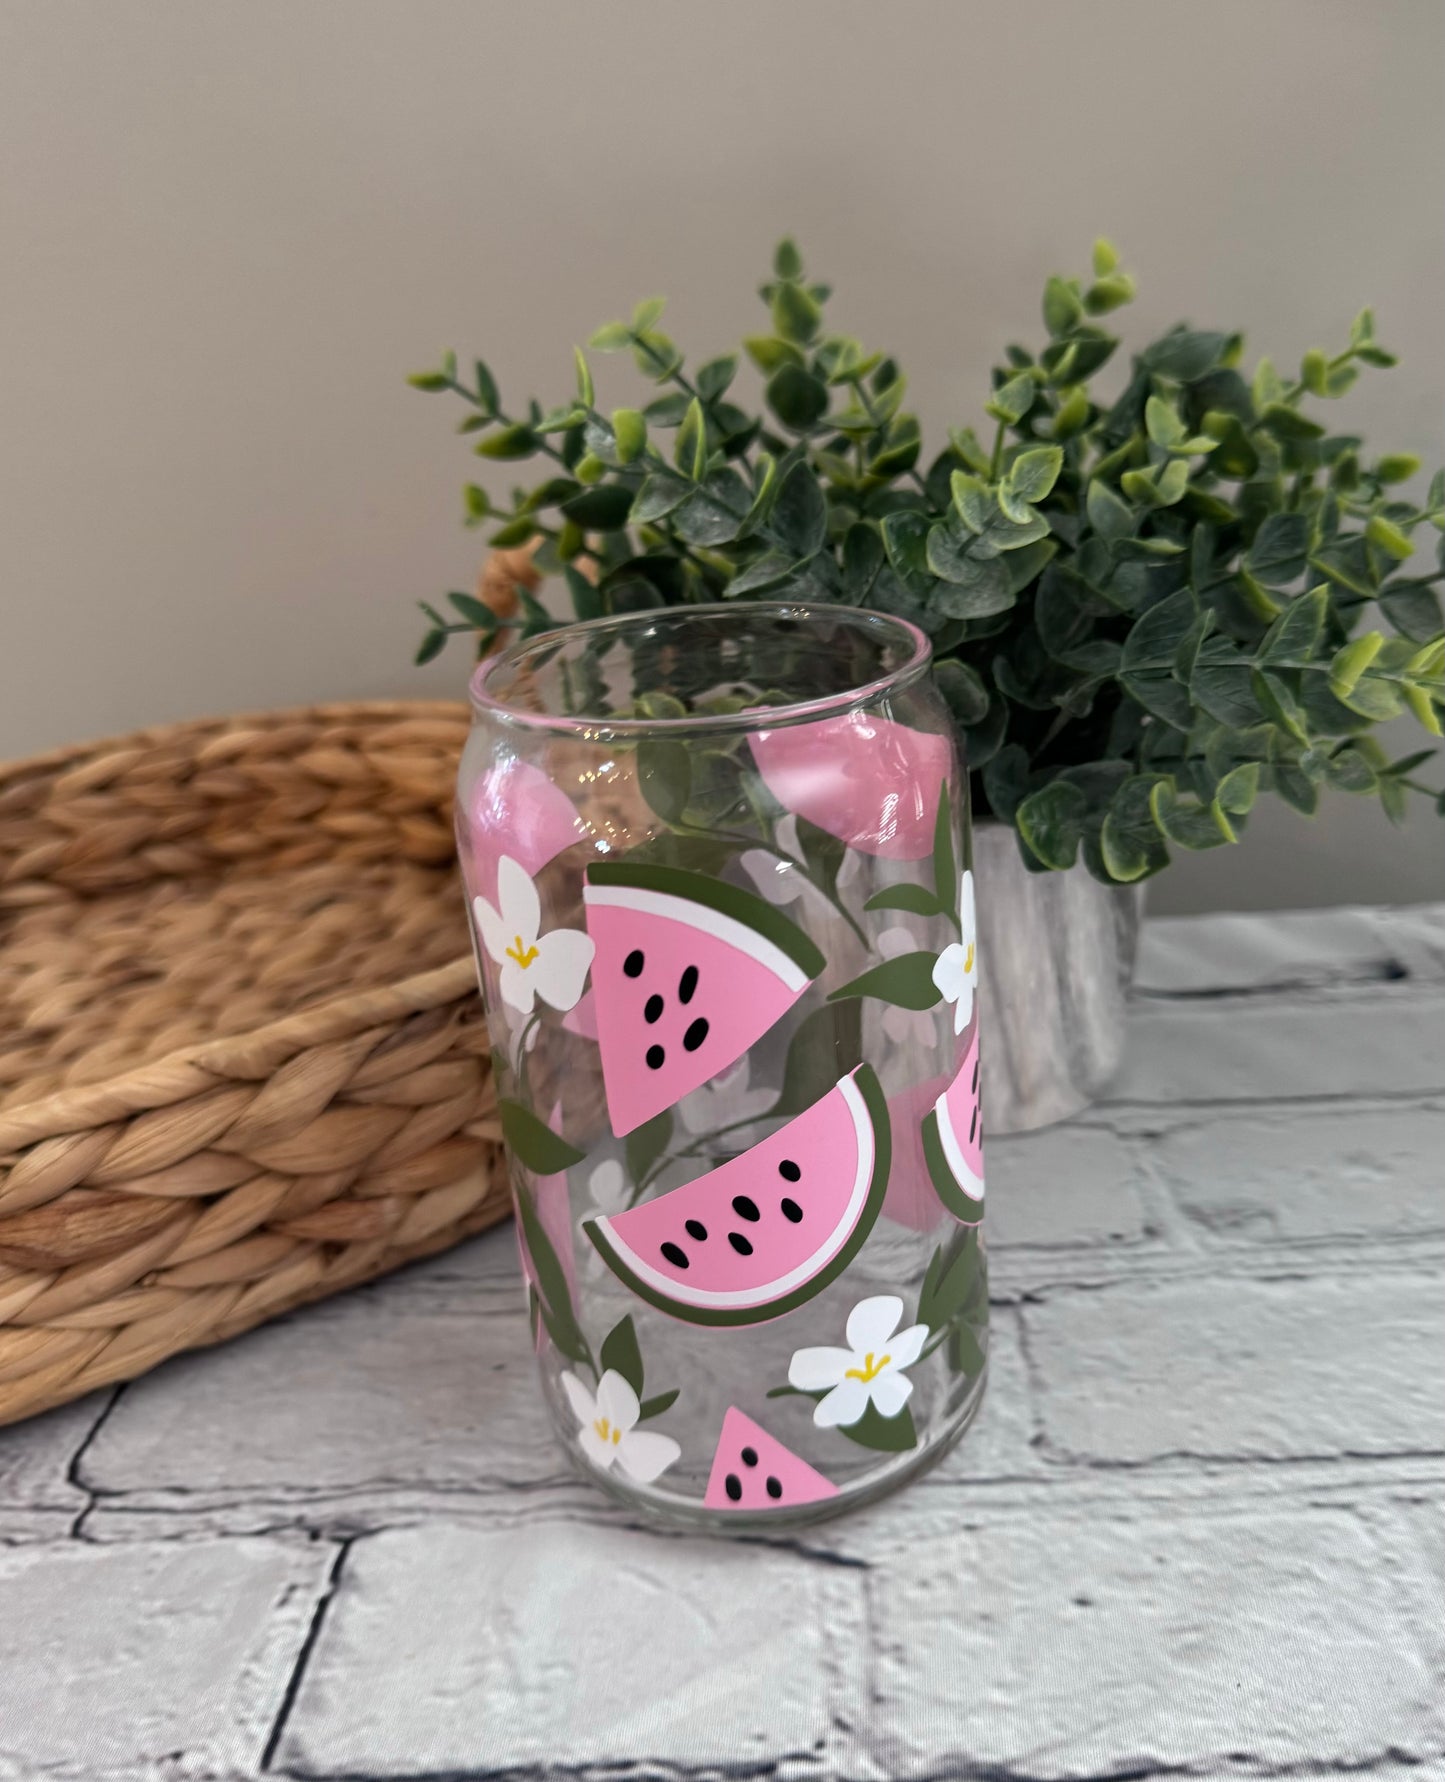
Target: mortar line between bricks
[[308, 1646], [72, 1471]]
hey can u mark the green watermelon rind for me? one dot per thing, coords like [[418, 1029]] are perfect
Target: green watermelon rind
[[714, 894], [963, 1206], [762, 1313]]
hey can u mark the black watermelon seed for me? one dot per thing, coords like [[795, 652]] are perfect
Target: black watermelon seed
[[750, 1457], [695, 1034], [675, 1254], [975, 1077], [740, 1243], [973, 1124], [775, 1486], [686, 984], [746, 1209], [652, 1009], [656, 1057], [789, 1170], [733, 1485], [696, 1229], [634, 963], [791, 1211]]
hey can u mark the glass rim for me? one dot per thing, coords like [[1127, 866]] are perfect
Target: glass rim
[[485, 701]]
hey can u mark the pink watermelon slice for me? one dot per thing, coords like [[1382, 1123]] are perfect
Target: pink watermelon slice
[[514, 809], [688, 973], [911, 1200], [872, 783], [764, 1232], [953, 1142], [754, 1471]]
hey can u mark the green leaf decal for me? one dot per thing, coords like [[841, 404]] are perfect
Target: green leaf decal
[[655, 1406], [886, 1435], [533, 1143], [646, 1143], [556, 1300], [827, 1045], [906, 981], [620, 1353]]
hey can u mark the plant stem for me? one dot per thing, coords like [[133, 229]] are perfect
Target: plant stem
[[996, 457]]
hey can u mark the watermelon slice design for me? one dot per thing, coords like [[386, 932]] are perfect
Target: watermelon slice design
[[754, 1471], [911, 1200], [872, 783], [764, 1232], [953, 1142], [688, 973]]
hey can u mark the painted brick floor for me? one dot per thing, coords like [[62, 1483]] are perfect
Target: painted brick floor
[[1199, 1530]]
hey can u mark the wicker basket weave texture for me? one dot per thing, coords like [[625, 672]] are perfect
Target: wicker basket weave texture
[[242, 1059]]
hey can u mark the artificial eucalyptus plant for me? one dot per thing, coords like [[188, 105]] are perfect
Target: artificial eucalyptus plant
[[1146, 608]]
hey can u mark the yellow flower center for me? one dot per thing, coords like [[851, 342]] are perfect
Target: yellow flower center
[[870, 1369], [523, 955], [968, 960], [607, 1432]]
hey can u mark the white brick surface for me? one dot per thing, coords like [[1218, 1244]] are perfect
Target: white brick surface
[[372, 1391], [1387, 1042], [1229, 1644], [1207, 955], [451, 1649], [1196, 1528], [1064, 1186], [1240, 1368], [35, 1457], [113, 1660], [1303, 1175]]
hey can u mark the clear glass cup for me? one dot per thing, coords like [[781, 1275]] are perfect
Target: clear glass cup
[[717, 861]]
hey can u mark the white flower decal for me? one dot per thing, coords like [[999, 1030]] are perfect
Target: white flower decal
[[607, 1185], [956, 970], [725, 1101], [868, 1371], [553, 966], [780, 881], [609, 1429]]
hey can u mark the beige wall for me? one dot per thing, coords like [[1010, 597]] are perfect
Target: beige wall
[[228, 229]]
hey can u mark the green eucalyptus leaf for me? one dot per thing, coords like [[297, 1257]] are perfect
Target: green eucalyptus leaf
[[515, 441], [863, 557], [664, 775], [797, 398], [1413, 608], [1110, 516], [660, 495], [963, 691], [905, 540], [772, 570], [1014, 399], [604, 508], [715, 376], [1186, 354], [1187, 822], [800, 513], [1280, 550], [1132, 845], [1051, 821], [796, 316]]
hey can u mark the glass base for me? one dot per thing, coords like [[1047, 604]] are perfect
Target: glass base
[[671, 1510]]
